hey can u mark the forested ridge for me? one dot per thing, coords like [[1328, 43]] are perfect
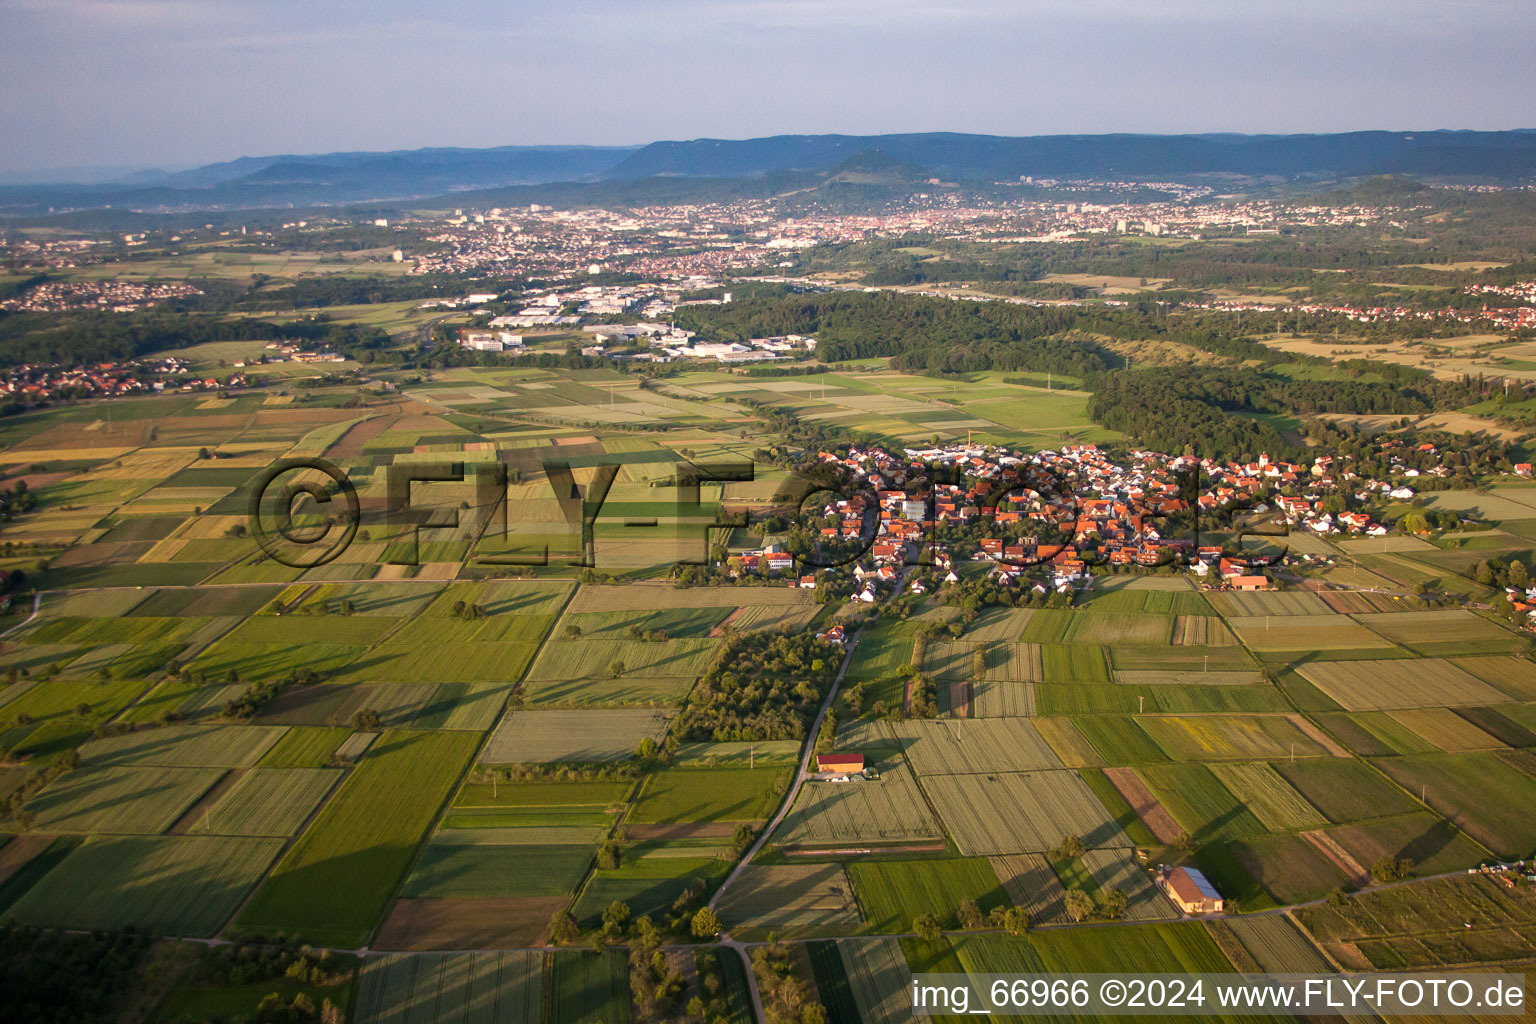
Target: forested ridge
[[1172, 408], [100, 337]]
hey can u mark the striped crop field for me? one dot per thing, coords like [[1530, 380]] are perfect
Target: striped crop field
[[957, 746], [1305, 632], [1272, 799], [489, 988], [887, 809], [1056, 626], [267, 802], [1395, 683], [1021, 812]]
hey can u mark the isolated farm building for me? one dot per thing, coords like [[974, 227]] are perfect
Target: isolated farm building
[[1250, 583], [1191, 891], [850, 764]]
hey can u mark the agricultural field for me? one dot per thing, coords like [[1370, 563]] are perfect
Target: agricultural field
[[1454, 632], [956, 660], [496, 988], [598, 734], [1437, 923], [267, 802], [1305, 631], [1051, 626], [1174, 946], [891, 893], [1074, 664], [1031, 883], [877, 976], [1021, 812], [803, 898], [1262, 872], [1118, 739], [1394, 683], [127, 800], [1068, 743], [1114, 869], [1277, 946], [590, 986], [218, 746], [1203, 807], [173, 885], [1447, 730], [475, 863], [1248, 604], [650, 881], [955, 746], [1344, 789], [1514, 676], [1229, 737], [333, 884], [1480, 793], [889, 809], [710, 794], [1269, 796]]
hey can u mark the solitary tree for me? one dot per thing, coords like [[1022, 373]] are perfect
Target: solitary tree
[[615, 919], [1079, 904], [563, 929], [706, 924], [1070, 847]]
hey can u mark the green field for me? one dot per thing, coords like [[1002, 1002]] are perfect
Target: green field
[[1119, 740], [127, 800], [267, 802], [1480, 793], [1344, 789], [500, 988], [599, 734], [590, 986], [710, 794], [218, 746], [1198, 801], [168, 885], [477, 863], [333, 884], [892, 893]]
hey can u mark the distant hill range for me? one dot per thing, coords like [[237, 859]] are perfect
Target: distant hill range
[[720, 167]]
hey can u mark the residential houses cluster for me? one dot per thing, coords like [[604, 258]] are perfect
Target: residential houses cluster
[[1092, 510], [34, 383], [1504, 317], [110, 296]]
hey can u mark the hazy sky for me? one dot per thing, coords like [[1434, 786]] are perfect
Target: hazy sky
[[163, 82]]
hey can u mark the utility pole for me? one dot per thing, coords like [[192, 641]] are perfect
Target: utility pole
[[1141, 703], [752, 757]]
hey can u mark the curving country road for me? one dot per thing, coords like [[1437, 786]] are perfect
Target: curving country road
[[801, 775]]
